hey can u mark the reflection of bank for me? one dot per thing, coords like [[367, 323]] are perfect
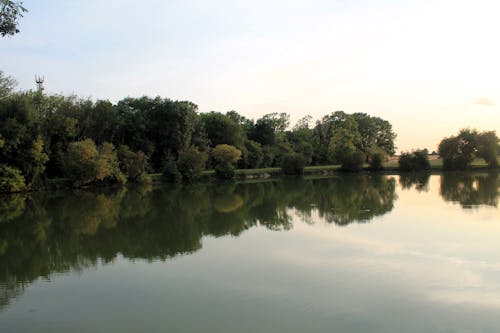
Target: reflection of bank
[[355, 198], [45, 233], [415, 180], [471, 189]]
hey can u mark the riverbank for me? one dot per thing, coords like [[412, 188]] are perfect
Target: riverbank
[[268, 173], [388, 167]]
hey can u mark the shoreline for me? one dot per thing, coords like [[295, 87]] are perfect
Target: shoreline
[[260, 174]]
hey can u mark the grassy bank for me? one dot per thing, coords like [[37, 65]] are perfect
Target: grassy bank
[[436, 165], [262, 173]]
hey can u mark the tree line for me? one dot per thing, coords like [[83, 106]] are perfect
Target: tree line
[[52, 136], [85, 142]]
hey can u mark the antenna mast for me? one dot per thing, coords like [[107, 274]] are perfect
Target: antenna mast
[[39, 83]]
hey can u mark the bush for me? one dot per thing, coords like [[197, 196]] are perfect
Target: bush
[[11, 180], [170, 171], [134, 165], [376, 161], [85, 163], [293, 164], [352, 162], [268, 156], [226, 154], [417, 160], [254, 154], [224, 171], [191, 164]]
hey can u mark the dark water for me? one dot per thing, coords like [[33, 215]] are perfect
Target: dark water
[[354, 253]]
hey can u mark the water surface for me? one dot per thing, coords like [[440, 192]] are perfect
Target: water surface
[[353, 253]]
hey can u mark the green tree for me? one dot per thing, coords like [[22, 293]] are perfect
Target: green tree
[[108, 165], [263, 132], [336, 137], [11, 179], [352, 161], [417, 160], [254, 155], [191, 164], [488, 148], [86, 163], [375, 134], [376, 161], [222, 129], [21, 133], [99, 121], [170, 171], [225, 156], [301, 138], [158, 127], [80, 162], [7, 84], [293, 164], [10, 12], [134, 165], [459, 151]]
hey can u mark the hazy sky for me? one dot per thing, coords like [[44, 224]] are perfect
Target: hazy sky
[[428, 67]]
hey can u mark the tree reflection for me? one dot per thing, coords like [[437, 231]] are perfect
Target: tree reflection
[[355, 198], [415, 180], [43, 233], [471, 189]]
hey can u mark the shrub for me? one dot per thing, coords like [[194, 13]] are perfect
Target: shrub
[[224, 171], [226, 154], [11, 180], [170, 171], [134, 165], [254, 154], [417, 160], [85, 163], [108, 165], [268, 156], [191, 164], [376, 161], [293, 164], [352, 162]]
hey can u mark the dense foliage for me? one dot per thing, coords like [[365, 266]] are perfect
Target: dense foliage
[[293, 164], [224, 157], [459, 151], [10, 12], [417, 160], [85, 141], [377, 161]]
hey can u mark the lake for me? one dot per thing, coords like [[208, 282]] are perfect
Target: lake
[[350, 253]]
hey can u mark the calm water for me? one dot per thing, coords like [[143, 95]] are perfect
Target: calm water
[[345, 254]]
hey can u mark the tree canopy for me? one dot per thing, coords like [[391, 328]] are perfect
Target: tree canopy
[[459, 151], [10, 12]]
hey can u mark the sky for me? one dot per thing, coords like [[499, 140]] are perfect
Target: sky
[[428, 67]]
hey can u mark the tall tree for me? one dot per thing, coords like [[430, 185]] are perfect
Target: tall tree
[[10, 12], [7, 84], [222, 129], [375, 134]]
